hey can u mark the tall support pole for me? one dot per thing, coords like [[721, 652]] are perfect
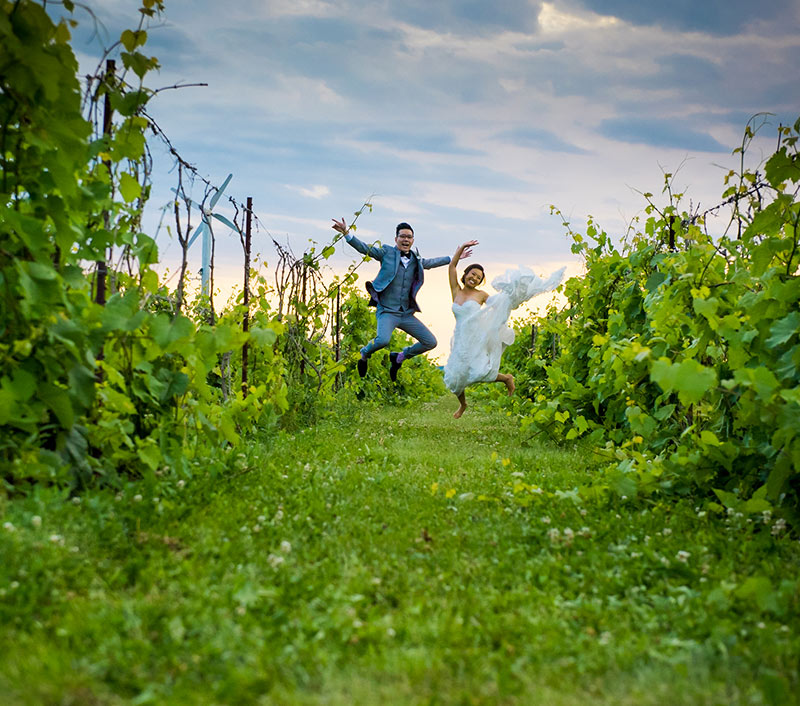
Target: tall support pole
[[338, 331], [338, 320], [246, 319], [672, 233], [205, 270], [108, 111], [305, 321]]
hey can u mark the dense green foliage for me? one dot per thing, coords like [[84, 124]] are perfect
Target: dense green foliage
[[95, 386], [393, 556], [680, 351]]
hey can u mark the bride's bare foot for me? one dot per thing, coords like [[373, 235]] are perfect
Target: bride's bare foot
[[510, 386], [462, 401]]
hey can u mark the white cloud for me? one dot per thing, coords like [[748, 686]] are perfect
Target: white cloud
[[317, 191], [553, 20]]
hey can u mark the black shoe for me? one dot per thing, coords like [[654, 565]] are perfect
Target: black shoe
[[394, 367], [362, 367]]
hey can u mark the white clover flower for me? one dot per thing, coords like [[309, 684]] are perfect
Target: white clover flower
[[261, 518], [118, 497], [554, 535], [584, 531], [778, 527], [390, 632], [286, 547], [8, 527], [137, 498], [683, 556], [731, 510], [583, 512], [666, 531], [605, 638], [278, 516], [569, 535], [181, 483], [256, 528], [36, 521], [56, 539], [761, 626], [376, 581], [241, 610], [546, 520], [701, 513], [275, 560], [357, 624]]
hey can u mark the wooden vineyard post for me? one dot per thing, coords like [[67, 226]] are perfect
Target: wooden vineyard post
[[108, 111], [246, 318]]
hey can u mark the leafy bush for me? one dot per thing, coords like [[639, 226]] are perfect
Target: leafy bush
[[680, 350]]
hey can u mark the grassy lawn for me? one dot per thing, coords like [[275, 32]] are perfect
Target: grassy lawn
[[396, 556]]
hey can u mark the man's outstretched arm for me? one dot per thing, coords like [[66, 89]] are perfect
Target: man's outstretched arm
[[429, 262], [362, 247]]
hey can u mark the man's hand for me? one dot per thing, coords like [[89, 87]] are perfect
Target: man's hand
[[340, 227]]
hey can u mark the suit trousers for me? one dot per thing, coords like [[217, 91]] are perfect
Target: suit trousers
[[407, 322]]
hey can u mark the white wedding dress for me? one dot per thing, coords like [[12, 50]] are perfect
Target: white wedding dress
[[482, 332]]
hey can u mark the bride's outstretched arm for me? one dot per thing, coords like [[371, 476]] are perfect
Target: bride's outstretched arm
[[462, 252]]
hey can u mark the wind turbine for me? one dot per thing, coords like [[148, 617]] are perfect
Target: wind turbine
[[206, 231]]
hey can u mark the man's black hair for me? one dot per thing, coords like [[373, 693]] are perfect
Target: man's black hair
[[402, 226]]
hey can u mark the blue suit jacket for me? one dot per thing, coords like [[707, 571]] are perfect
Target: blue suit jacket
[[389, 257]]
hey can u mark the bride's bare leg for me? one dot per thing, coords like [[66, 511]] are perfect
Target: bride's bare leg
[[508, 381], [463, 400]]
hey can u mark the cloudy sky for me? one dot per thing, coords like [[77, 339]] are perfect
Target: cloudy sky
[[466, 118]]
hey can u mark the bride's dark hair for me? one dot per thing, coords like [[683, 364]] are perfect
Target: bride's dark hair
[[473, 266]]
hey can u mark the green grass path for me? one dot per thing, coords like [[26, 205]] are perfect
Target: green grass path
[[394, 556]]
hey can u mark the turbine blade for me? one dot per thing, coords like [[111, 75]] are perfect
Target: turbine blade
[[216, 197], [224, 220], [197, 233], [196, 205]]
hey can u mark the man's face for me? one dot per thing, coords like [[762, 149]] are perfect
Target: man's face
[[404, 240]]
